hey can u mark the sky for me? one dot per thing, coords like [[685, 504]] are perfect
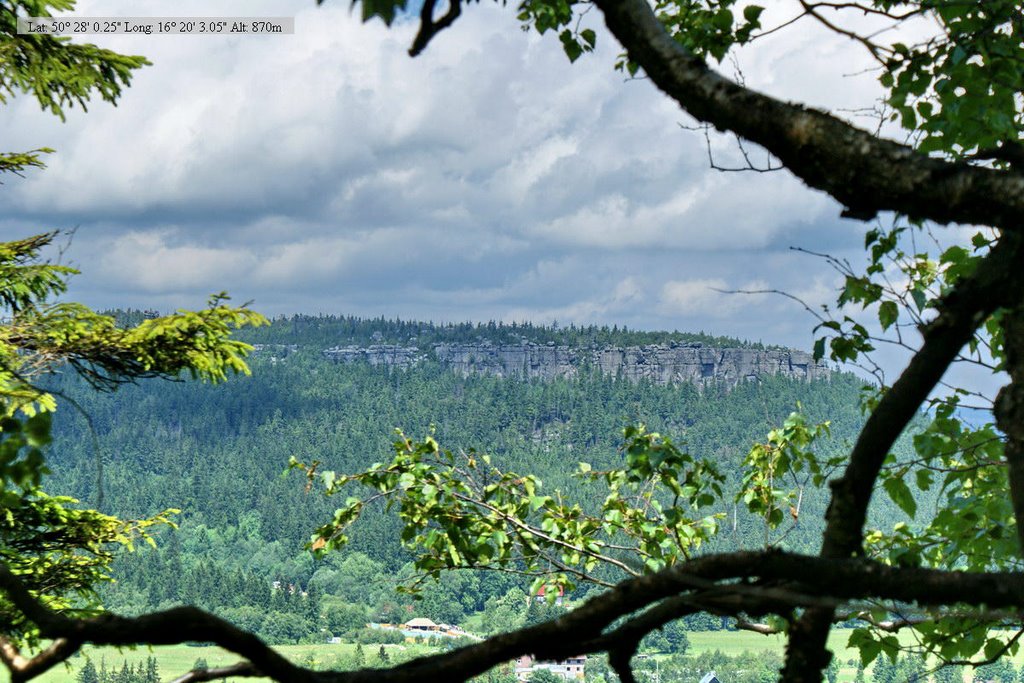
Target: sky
[[487, 179]]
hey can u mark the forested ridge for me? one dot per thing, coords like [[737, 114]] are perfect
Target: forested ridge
[[333, 330], [218, 454]]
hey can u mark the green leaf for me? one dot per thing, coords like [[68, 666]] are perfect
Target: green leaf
[[888, 312], [752, 13], [385, 9], [993, 648], [723, 19], [869, 648], [572, 48], [920, 298], [819, 348], [900, 494]]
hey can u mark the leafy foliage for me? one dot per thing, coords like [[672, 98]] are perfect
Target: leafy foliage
[[785, 454], [61, 551], [959, 93], [15, 162], [462, 511], [54, 70]]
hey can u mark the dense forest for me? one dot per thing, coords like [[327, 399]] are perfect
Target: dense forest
[[219, 455], [333, 330]]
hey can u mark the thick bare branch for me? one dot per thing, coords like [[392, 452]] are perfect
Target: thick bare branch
[[24, 669], [865, 173], [239, 670], [429, 28], [998, 281], [781, 581], [1009, 412]]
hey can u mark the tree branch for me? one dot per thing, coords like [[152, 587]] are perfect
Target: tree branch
[[997, 281], [22, 669], [785, 581], [430, 28], [239, 670], [1009, 412], [865, 173]]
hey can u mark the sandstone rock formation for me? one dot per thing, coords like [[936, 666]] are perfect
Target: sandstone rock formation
[[376, 354], [660, 363]]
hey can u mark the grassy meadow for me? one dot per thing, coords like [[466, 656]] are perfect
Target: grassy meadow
[[177, 659], [173, 660]]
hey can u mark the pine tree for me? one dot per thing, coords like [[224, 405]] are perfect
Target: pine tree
[[360, 656], [884, 671], [313, 600], [152, 671], [88, 673], [949, 673], [832, 672]]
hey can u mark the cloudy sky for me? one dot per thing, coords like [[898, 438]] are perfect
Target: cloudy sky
[[326, 171]]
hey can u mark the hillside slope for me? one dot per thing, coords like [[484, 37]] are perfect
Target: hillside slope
[[217, 453]]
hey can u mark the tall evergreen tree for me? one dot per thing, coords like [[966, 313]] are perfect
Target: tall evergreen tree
[[88, 673]]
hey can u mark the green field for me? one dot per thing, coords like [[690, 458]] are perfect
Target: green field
[[733, 643], [736, 642], [175, 660]]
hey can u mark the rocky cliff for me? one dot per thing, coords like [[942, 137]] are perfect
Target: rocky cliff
[[661, 363]]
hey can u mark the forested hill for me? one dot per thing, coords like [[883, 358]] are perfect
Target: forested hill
[[218, 454], [528, 350], [324, 331]]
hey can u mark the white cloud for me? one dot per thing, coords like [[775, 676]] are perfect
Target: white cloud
[[147, 262], [712, 297], [528, 168], [488, 178]]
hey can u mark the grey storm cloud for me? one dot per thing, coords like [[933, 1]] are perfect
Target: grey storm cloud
[[488, 179]]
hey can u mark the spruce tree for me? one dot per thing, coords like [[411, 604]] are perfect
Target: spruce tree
[[360, 656], [884, 670], [88, 673], [152, 671]]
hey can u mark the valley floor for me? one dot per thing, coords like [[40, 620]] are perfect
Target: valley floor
[[175, 660]]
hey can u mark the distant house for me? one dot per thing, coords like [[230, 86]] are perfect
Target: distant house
[[421, 624], [709, 677], [422, 627], [542, 595], [571, 669]]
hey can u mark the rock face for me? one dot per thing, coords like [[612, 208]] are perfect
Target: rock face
[[660, 363], [376, 354]]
